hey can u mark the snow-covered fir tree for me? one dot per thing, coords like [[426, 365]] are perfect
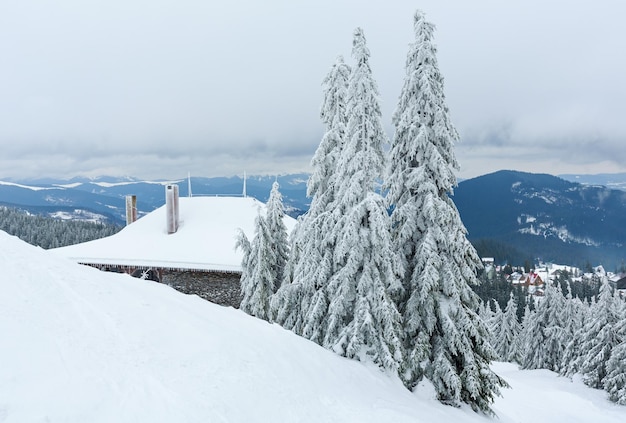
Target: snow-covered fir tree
[[257, 276], [446, 340], [488, 316], [542, 348], [527, 325], [248, 263], [570, 364], [599, 337], [571, 321], [491, 318], [506, 332], [615, 380], [362, 318], [556, 341], [311, 262], [485, 312], [343, 285], [264, 258], [279, 238], [333, 113]]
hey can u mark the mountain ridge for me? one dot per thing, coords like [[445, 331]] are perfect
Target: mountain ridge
[[550, 217], [542, 215]]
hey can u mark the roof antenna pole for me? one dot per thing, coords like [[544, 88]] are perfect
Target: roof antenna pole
[[244, 184], [189, 183]]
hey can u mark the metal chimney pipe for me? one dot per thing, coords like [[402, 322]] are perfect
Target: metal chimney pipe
[[131, 209], [171, 208]]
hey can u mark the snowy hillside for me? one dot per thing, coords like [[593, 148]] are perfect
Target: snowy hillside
[[79, 345]]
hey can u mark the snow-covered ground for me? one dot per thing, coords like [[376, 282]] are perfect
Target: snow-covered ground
[[79, 345]]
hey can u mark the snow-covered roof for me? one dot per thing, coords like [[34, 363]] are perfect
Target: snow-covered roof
[[204, 241]]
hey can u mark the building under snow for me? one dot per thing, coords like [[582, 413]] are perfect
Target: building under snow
[[197, 248]]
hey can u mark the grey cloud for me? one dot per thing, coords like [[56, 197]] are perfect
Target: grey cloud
[[100, 87]]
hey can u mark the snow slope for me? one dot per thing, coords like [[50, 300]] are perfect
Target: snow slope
[[79, 345]]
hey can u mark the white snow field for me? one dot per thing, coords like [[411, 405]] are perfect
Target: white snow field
[[80, 345]]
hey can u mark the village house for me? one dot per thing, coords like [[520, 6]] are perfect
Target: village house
[[531, 281], [620, 286]]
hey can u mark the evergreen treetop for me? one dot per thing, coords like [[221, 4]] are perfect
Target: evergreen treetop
[[302, 305], [446, 340]]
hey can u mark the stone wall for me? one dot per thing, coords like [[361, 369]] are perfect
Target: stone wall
[[219, 288]]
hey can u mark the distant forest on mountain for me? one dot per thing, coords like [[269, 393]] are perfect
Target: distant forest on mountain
[[47, 232]]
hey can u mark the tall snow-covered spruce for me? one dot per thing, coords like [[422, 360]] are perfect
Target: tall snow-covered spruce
[[322, 183], [446, 341], [362, 316], [344, 285], [311, 261]]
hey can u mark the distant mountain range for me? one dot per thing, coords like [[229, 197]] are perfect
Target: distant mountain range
[[103, 199], [546, 217], [609, 180], [533, 215]]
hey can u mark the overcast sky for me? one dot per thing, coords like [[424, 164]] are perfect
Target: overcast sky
[[157, 88]]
